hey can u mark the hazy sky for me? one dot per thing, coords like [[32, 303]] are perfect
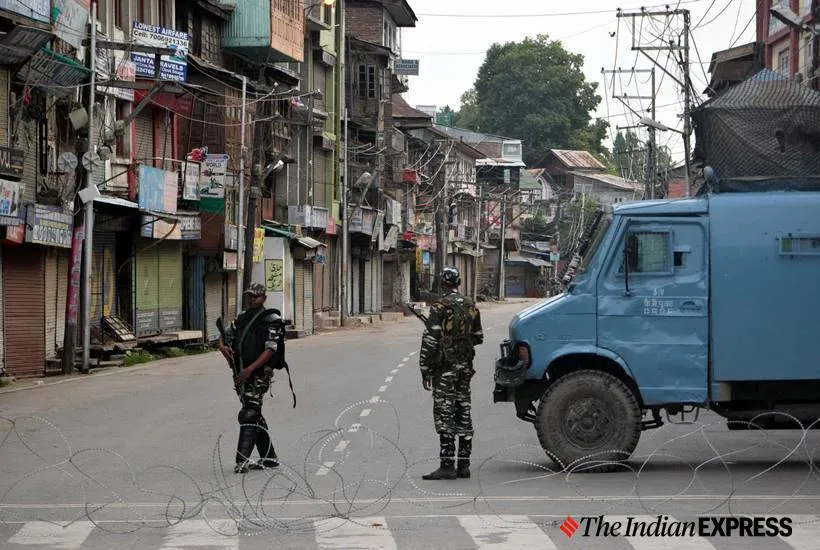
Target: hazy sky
[[451, 48]]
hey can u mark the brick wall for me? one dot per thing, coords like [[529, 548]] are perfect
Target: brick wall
[[365, 21]]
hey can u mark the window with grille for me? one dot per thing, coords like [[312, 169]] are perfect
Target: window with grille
[[367, 81], [649, 252]]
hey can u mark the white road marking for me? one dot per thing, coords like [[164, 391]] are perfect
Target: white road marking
[[341, 446], [388, 379], [354, 534], [505, 532], [805, 533], [198, 533], [325, 468], [51, 535], [365, 412], [658, 543], [382, 388]]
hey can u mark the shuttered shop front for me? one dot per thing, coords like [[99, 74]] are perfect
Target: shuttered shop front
[[24, 310], [2, 324], [56, 284], [103, 281], [195, 293], [170, 286], [159, 287], [213, 304], [144, 126]]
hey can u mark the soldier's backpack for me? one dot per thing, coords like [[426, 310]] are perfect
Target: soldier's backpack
[[457, 332]]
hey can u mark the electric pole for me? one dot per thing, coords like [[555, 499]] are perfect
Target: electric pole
[[254, 193], [502, 246], [672, 46], [441, 227], [477, 243]]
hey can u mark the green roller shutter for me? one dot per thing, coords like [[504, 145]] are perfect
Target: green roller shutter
[[171, 287], [146, 282]]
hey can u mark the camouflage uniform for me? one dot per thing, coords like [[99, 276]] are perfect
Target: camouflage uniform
[[446, 360], [266, 333]]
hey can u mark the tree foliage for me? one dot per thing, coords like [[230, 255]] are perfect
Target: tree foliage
[[535, 90], [629, 156]]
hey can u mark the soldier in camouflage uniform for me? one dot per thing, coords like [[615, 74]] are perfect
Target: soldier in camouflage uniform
[[255, 341], [446, 362]]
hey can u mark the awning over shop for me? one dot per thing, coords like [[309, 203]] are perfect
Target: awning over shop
[[308, 243], [21, 43], [116, 201], [182, 226], [57, 74], [535, 262]]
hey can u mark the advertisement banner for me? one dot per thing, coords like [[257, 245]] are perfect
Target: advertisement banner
[[48, 225], [190, 180], [212, 176], [258, 244], [157, 189], [174, 68], [74, 278], [10, 207]]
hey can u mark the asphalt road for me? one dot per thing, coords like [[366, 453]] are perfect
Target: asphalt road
[[142, 457]]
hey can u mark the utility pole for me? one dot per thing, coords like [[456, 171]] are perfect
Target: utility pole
[[501, 293], [670, 46], [342, 147], [88, 245], [241, 200], [687, 90], [254, 193], [441, 227], [345, 233], [477, 243]]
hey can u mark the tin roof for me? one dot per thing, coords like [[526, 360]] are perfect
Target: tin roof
[[577, 159], [608, 179]]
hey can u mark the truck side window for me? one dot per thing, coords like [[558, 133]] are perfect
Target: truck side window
[[649, 252]]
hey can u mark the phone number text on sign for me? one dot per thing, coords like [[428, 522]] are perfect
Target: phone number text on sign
[[48, 226]]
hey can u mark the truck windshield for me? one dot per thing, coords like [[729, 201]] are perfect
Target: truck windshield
[[595, 241]]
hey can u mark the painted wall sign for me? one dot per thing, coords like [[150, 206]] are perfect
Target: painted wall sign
[[48, 225]]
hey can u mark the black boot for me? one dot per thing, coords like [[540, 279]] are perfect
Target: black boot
[[248, 417], [465, 449], [447, 468], [265, 448]]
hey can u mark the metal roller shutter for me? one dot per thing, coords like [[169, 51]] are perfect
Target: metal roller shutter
[[368, 286], [195, 293], [213, 304], [308, 309], [231, 286], [170, 286], [166, 134], [24, 304], [144, 125], [63, 264], [103, 281], [27, 141], [299, 291], [4, 107], [2, 323], [50, 301], [356, 285], [146, 278]]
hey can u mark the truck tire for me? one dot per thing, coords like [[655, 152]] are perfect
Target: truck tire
[[588, 421]]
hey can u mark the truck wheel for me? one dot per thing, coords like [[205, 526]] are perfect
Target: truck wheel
[[587, 420]]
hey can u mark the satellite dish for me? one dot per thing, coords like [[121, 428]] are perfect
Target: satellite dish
[[67, 162], [92, 160]]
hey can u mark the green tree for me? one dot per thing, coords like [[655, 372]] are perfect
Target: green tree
[[445, 116], [535, 90], [628, 152]]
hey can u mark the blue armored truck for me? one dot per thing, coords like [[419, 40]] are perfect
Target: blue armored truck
[[711, 302]]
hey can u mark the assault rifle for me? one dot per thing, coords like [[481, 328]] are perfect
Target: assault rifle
[[220, 326], [415, 312]]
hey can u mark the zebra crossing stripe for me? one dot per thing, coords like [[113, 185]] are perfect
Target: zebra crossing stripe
[[354, 534], [220, 533], [660, 543], [505, 532], [53, 535]]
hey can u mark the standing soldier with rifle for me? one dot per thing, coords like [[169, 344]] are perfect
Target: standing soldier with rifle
[[446, 361], [254, 346]]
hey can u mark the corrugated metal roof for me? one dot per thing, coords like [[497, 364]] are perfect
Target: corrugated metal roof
[[577, 159], [528, 181], [608, 179]]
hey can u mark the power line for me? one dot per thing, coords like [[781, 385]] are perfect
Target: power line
[[554, 14]]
